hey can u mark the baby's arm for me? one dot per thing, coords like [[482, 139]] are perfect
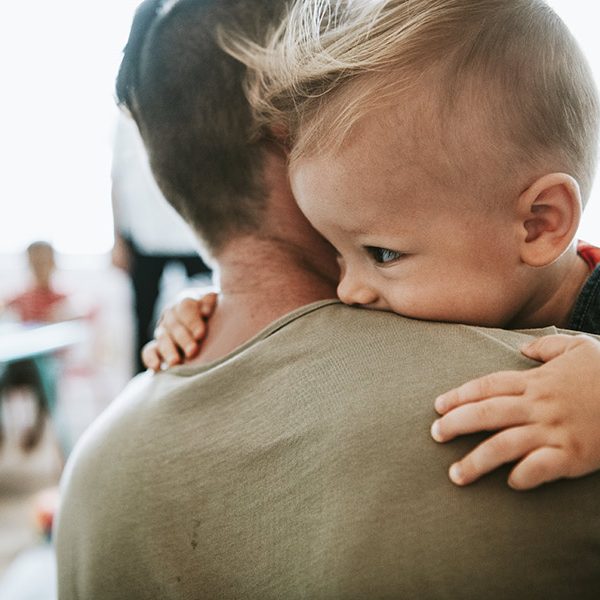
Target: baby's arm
[[180, 329], [548, 417]]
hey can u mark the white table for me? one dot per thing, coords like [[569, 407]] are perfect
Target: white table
[[18, 340], [38, 343]]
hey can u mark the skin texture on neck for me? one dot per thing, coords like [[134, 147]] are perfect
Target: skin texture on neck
[[556, 295], [260, 281], [263, 277]]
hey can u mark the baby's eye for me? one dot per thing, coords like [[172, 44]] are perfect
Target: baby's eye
[[383, 255]]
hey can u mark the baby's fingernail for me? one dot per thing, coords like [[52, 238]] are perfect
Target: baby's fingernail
[[440, 402], [190, 349], [206, 309], [435, 431], [456, 474]]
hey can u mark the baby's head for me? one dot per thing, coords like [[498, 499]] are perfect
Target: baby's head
[[444, 147]]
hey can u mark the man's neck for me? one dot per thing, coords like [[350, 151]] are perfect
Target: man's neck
[[261, 281], [555, 299]]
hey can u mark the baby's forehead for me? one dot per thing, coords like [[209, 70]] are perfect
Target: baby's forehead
[[408, 162], [422, 121], [379, 168], [414, 132]]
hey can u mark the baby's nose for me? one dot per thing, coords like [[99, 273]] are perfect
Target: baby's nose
[[352, 291]]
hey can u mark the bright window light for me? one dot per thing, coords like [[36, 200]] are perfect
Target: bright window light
[[581, 16], [57, 117]]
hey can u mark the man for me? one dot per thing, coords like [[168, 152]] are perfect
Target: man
[[292, 458]]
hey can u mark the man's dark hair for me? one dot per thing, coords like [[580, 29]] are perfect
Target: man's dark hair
[[187, 97]]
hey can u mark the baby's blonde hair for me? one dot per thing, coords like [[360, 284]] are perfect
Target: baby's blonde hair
[[331, 62]]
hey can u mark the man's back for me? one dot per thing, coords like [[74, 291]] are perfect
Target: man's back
[[301, 466]]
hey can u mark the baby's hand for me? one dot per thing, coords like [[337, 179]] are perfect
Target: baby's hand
[[180, 329], [548, 416]]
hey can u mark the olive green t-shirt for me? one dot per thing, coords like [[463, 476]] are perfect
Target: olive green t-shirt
[[301, 466]]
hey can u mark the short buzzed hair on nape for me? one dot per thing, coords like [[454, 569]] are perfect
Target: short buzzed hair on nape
[[187, 98]]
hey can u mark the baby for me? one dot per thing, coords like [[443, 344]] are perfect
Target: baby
[[446, 150]]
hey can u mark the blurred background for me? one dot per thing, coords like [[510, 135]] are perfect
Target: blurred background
[[74, 311]]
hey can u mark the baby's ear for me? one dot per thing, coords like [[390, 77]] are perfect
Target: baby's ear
[[550, 211]]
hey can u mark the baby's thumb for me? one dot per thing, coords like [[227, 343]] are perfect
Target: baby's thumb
[[548, 347]]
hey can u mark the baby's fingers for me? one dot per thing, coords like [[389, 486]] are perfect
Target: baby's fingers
[[151, 356], [551, 346], [179, 334], [503, 383], [542, 465], [166, 347], [504, 447], [188, 314], [207, 304], [486, 415]]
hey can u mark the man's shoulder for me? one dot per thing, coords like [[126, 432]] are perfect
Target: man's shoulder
[[337, 325], [111, 429]]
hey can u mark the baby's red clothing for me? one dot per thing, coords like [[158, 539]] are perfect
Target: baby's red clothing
[[589, 253]]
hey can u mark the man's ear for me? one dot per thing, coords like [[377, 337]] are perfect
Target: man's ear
[[550, 211]]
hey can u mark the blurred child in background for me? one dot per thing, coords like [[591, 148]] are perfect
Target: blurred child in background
[[38, 303]]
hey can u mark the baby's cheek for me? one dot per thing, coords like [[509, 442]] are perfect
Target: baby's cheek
[[421, 303], [404, 304]]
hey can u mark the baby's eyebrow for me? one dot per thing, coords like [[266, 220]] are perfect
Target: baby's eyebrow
[[354, 231]]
